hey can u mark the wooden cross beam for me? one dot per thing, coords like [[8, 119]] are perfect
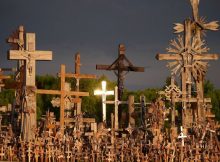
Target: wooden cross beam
[[30, 56], [77, 75], [62, 94], [104, 93], [120, 68]]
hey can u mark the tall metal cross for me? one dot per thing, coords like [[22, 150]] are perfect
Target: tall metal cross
[[104, 93], [120, 68], [63, 94]]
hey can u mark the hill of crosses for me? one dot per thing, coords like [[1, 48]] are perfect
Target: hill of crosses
[[178, 126]]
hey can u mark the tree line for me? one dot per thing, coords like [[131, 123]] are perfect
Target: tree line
[[91, 105]]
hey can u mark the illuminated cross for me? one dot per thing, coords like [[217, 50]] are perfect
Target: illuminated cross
[[103, 93], [182, 136]]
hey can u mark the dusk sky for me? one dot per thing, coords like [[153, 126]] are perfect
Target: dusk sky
[[96, 27]]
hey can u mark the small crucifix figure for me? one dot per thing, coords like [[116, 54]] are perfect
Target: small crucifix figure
[[120, 68], [103, 93], [30, 55]]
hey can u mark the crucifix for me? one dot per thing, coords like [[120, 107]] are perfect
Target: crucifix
[[104, 93], [120, 68], [29, 55], [198, 27], [188, 61], [63, 94]]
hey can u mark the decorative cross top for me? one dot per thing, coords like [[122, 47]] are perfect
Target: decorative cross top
[[103, 93]]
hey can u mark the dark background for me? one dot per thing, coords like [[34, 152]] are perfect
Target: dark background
[[96, 27]]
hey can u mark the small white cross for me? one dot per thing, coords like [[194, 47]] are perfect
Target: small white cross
[[103, 93], [182, 136]]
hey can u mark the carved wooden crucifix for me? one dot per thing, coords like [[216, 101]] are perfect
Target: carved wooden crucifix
[[189, 62], [63, 94], [29, 55], [120, 68]]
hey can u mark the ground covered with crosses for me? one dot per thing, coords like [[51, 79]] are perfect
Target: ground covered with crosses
[[67, 119]]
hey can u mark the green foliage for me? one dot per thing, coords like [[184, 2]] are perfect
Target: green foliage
[[7, 96], [43, 101], [91, 106], [214, 94]]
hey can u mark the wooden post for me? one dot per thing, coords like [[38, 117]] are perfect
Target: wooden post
[[131, 110]]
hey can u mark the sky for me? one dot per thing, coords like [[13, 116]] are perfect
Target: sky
[[96, 27]]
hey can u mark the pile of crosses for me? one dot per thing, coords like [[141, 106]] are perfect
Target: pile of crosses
[[191, 134]]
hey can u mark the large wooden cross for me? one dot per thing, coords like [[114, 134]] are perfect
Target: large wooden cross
[[63, 94], [188, 62], [120, 68], [77, 75], [103, 93], [30, 55]]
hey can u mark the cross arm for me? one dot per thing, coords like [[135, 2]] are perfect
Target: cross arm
[[79, 76], [206, 100], [179, 57], [105, 67], [206, 57], [23, 55], [57, 92], [4, 77], [123, 68], [168, 57]]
